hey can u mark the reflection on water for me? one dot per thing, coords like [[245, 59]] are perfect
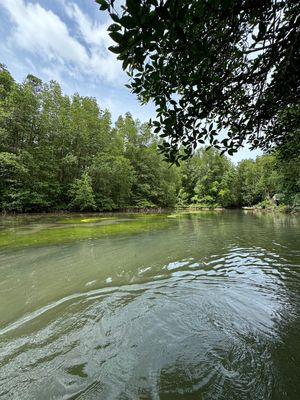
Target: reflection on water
[[203, 306]]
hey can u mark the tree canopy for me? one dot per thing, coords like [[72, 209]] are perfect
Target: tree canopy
[[60, 152], [223, 71]]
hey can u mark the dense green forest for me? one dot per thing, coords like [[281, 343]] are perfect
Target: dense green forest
[[60, 152]]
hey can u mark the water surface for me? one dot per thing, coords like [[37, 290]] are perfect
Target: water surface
[[172, 306]]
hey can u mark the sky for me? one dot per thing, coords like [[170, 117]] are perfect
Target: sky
[[67, 41]]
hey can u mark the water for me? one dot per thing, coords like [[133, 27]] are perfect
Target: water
[[188, 306]]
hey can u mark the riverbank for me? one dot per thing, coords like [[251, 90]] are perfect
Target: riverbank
[[275, 209], [159, 210]]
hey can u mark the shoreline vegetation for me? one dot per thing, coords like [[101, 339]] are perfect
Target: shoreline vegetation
[[60, 152], [155, 210]]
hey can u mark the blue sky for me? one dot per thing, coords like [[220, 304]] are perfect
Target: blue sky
[[66, 40]]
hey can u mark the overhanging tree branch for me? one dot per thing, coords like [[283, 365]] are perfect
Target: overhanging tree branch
[[196, 53]]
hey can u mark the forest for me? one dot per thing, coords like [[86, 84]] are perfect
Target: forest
[[60, 152]]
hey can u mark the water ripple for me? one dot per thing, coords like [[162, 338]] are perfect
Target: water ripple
[[197, 324]]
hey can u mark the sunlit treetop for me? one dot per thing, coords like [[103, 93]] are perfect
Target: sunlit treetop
[[221, 71]]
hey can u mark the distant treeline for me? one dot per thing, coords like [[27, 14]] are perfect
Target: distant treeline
[[64, 153]]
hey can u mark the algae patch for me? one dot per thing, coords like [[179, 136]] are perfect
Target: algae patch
[[80, 220], [55, 233], [186, 213]]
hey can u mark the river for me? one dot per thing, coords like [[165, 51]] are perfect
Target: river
[[136, 306]]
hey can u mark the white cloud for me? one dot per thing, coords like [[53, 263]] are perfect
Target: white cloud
[[97, 39], [92, 32], [44, 34]]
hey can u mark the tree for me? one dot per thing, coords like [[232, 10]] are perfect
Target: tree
[[258, 180], [12, 174], [112, 178], [269, 176], [248, 180], [82, 195], [7, 84], [288, 156], [59, 152], [208, 179], [211, 66], [288, 165]]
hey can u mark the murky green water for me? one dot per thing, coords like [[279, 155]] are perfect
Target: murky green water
[[199, 306]]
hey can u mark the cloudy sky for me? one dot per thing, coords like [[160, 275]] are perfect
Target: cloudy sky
[[66, 40]]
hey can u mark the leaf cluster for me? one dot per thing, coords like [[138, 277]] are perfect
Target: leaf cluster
[[211, 67]]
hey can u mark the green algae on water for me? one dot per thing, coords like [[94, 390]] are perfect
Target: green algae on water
[[41, 234], [81, 220], [185, 213]]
